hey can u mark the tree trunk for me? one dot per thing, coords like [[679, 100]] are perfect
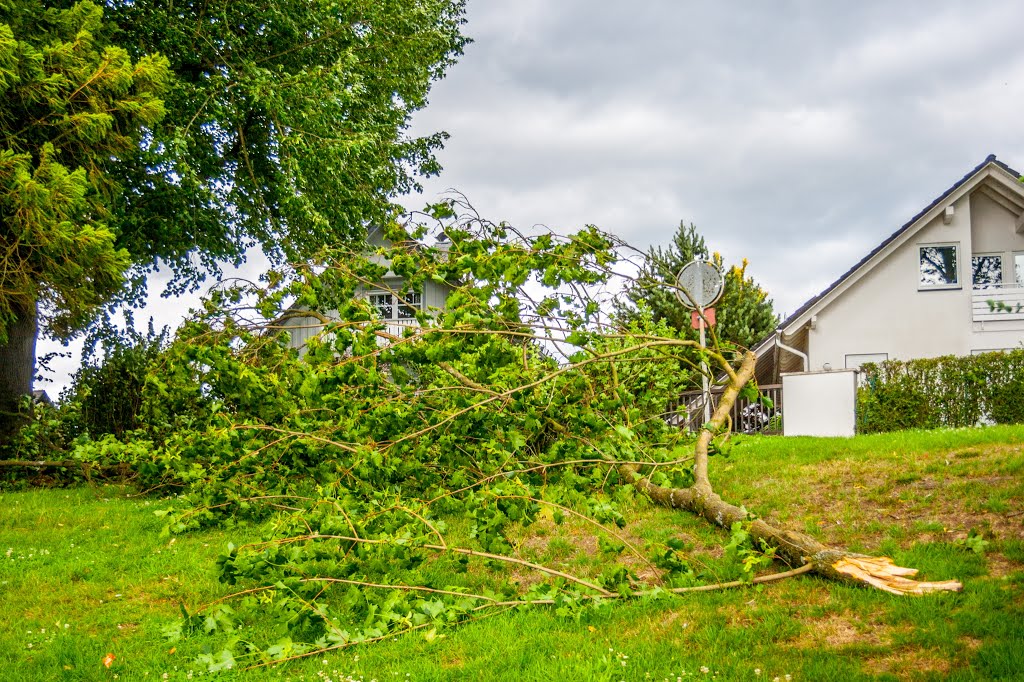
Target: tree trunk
[[796, 549], [17, 369]]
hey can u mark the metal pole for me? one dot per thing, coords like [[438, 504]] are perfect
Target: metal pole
[[705, 384]]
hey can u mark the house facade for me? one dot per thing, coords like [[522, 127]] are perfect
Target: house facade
[[948, 282], [396, 309]]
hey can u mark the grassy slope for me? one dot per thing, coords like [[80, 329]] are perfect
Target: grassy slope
[[84, 572]]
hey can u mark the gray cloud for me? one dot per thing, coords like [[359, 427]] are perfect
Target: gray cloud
[[796, 134]]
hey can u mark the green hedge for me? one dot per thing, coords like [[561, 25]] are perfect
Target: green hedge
[[950, 391]]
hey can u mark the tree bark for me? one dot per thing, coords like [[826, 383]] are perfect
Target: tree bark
[[796, 549], [17, 369]]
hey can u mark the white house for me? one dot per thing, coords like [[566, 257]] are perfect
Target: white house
[[398, 310], [923, 292]]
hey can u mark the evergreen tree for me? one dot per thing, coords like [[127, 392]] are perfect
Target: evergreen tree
[[744, 314], [70, 107]]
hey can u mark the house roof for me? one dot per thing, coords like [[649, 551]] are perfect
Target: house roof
[[973, 174]]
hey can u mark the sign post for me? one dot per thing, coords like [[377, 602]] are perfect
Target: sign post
[[700, 285]]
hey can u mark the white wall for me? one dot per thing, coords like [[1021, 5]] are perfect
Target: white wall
[[886, 311], [820, 403]]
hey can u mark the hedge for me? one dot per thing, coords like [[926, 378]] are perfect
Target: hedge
[[949, 391]]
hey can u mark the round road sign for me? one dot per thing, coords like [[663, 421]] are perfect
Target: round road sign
[[700, 284]]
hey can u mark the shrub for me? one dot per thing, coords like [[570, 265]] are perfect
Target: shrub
[[108, 389], [948, 391]]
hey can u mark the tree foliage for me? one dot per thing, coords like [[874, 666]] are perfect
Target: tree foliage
[[396, 477], [287, 123], [286, 128], [71, 108], [744, 314], [392, 465]]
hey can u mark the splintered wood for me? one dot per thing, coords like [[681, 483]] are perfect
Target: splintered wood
[[882, 573]]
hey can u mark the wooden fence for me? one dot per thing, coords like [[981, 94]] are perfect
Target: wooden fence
[[747, 417]]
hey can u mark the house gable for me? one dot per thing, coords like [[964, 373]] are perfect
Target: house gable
[[395, 307], [999, 179], [975, 225]]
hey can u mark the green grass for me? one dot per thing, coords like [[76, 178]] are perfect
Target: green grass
[[84, 572]]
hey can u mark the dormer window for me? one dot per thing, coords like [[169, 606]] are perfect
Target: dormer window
[[392, 308], [939, 266]]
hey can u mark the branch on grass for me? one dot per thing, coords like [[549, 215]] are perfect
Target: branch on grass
[[122, 468], [797, 549], [456, 550], [493, 603]]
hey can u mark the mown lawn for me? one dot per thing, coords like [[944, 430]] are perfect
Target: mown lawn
[[84, 572]]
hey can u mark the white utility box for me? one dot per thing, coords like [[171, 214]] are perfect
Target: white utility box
[[820, 403]]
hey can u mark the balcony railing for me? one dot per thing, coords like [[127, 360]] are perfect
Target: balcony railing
[[998, 302], [747, 417]]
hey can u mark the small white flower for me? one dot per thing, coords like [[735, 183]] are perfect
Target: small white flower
[[704, 669], [757, 671]]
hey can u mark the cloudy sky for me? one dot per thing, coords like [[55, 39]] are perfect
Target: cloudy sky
[[796, 134]]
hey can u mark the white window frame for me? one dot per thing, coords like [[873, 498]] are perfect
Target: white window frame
[[1014, 255], [412, 300], [921, 286], [867, 357]]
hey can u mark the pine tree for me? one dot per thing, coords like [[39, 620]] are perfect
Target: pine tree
[[70, 107], [744, 313]]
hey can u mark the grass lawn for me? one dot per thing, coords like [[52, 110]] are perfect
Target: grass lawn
[[84, 572]]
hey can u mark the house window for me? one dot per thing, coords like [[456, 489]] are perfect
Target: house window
[[407, 305], [939, 266], [385, 305], [855, 360], [1018, 268], [986, 271]]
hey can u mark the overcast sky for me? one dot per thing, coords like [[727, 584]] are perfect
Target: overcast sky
[[796, 134]]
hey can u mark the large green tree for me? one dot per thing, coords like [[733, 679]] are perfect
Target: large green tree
[[403, 477], [286, 128], [287, 123], [744, 314], [70, 108]]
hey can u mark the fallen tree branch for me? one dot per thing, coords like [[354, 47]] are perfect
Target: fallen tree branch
[[796, 549], [122, 468]]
